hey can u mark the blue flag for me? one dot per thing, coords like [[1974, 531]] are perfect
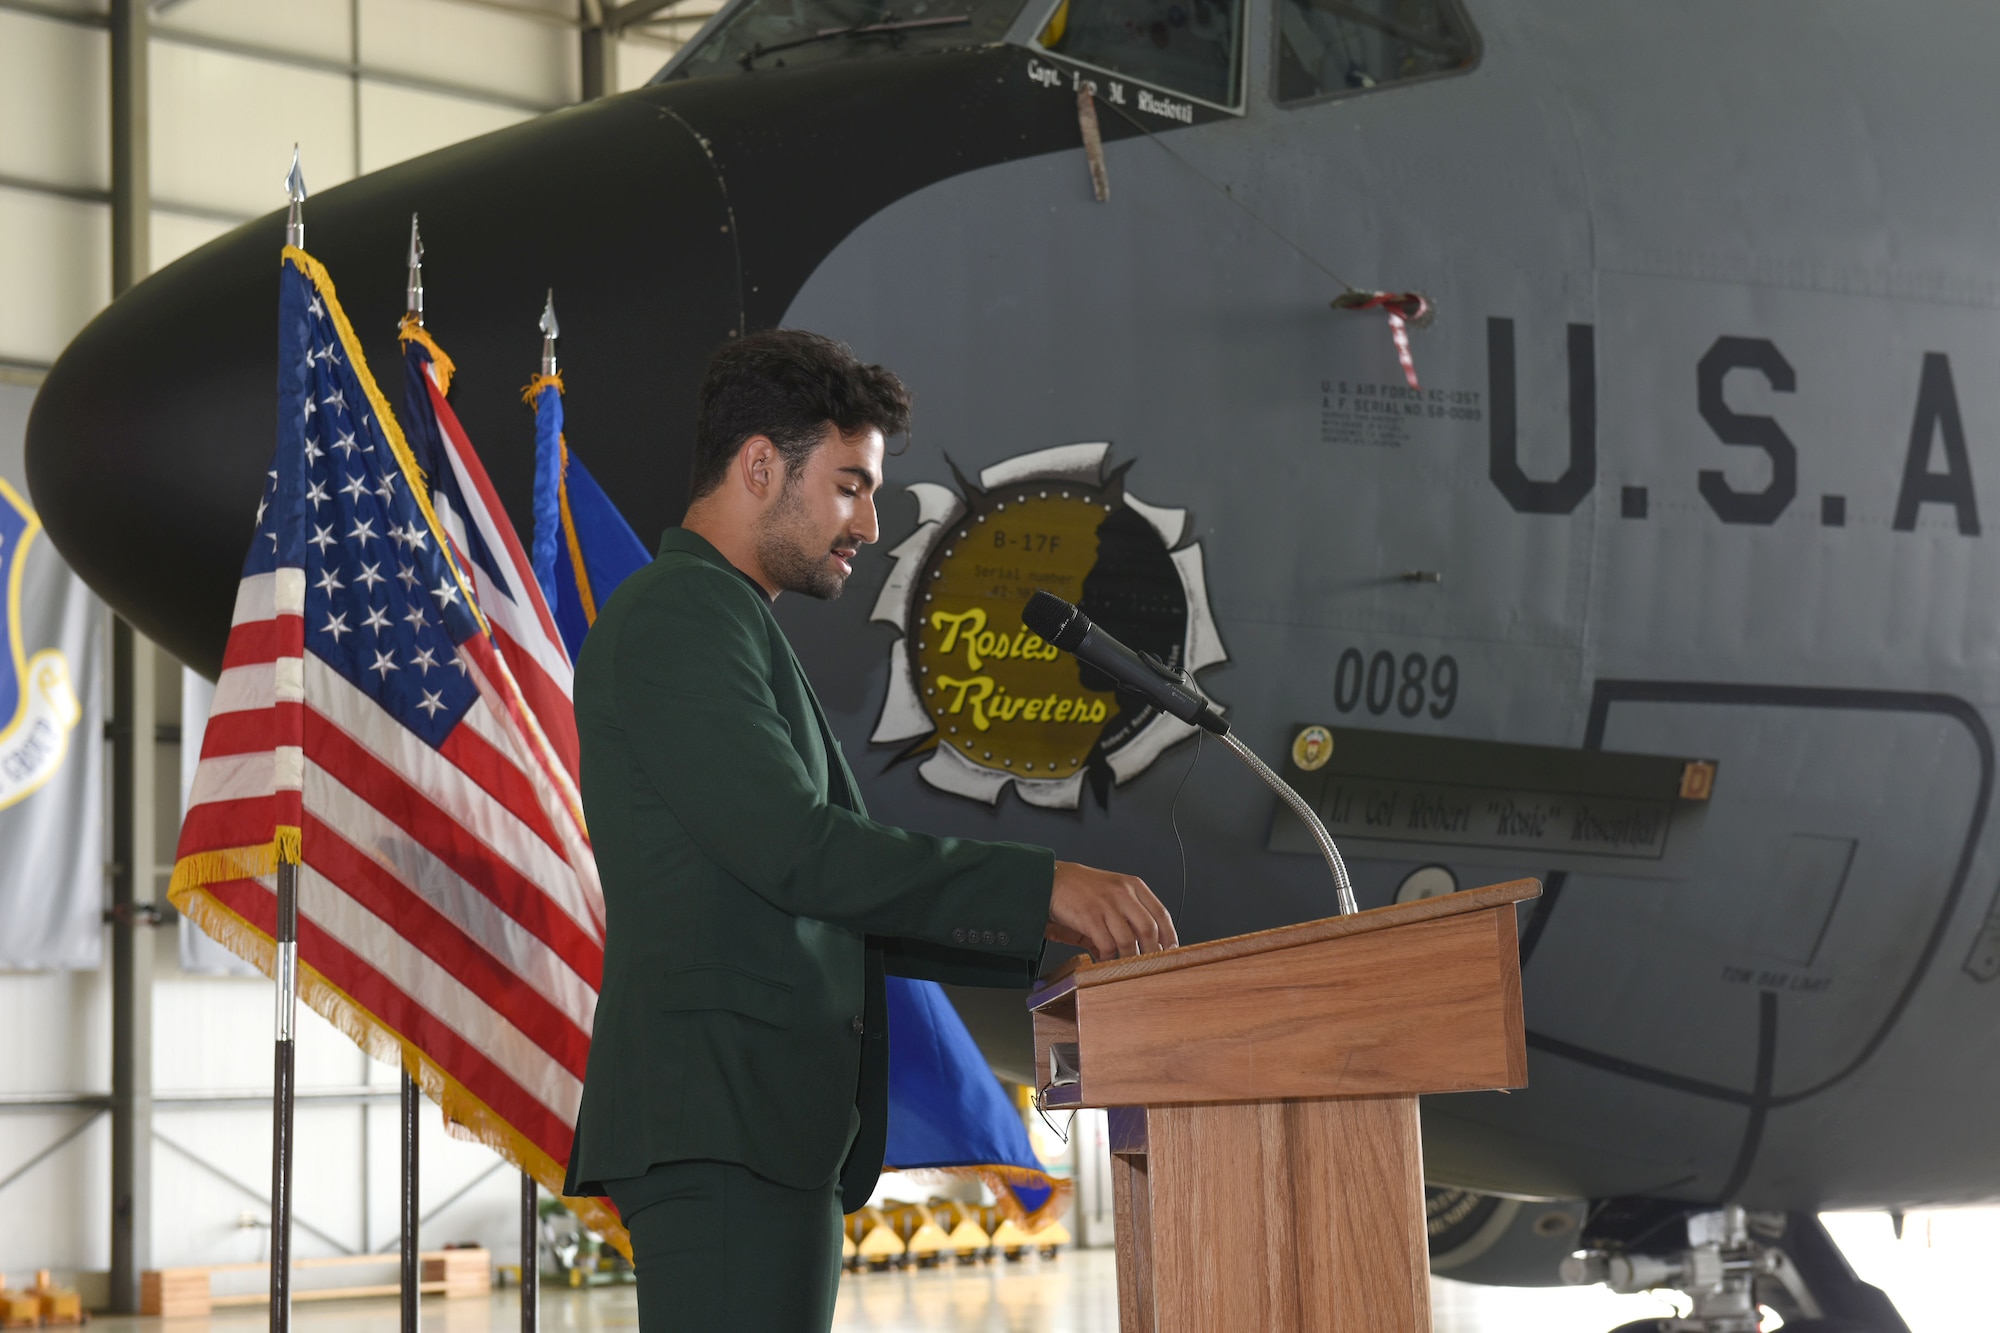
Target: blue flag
[[946, 1110], [583, 548]]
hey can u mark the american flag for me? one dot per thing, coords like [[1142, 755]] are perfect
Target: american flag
[[366, 728]]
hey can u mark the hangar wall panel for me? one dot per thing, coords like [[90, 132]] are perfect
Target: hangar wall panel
[[212, 1036], [402, 123], [175, 234], [55, 271], [224, 126], [55, 1028], [321, 28], [477, 47], [215, 1033], [54, 101], [58, 1215], [639, 61]]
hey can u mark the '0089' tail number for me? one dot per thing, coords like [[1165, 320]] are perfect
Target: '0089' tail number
[[1380, 682]]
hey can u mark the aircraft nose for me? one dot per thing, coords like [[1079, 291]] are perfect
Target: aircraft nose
[[148, 444]]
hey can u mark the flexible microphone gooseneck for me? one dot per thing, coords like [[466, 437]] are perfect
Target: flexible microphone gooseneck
[[1142, 674], [1172, 692]]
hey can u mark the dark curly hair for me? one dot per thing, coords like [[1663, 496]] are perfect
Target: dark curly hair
[[788, 384]]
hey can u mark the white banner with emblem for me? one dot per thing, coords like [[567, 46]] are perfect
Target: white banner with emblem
[[51, 719]]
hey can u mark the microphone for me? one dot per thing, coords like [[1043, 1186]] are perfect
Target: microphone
[[1173, 692], [1147, 676]]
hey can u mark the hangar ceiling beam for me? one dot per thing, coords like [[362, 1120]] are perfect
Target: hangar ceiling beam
[[526, 12], [131, 150], [80, 18], [625, 15], [597, 49], [603, 23]]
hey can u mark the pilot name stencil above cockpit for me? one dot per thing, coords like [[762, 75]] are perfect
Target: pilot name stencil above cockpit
[[1117, 94], [981, 699]]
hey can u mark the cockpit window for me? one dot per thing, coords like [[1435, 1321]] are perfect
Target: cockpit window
[[1189, 46], [788, 34], [1328, 48]]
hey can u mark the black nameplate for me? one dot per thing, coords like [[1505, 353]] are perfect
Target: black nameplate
[[1549, 804]]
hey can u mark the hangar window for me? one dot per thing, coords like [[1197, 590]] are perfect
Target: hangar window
[[1333, 48], [788, 34], [1189, 46]]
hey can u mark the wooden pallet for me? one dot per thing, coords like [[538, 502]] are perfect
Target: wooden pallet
[[452, 1274]]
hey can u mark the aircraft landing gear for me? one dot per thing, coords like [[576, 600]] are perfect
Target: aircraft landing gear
[[1718, 1271], [1734, 1262], [1791, 1326]]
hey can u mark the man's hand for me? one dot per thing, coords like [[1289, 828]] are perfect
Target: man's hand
[[1113, 916]]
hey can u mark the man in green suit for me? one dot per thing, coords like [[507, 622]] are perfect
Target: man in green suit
[[737, 1090]]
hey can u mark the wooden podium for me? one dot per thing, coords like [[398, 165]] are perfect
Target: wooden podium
[[1263, 1106]]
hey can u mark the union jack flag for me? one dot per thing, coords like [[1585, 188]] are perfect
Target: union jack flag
[[486, 545], [368, 728]]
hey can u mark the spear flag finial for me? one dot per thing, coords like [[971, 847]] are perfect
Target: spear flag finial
[[550, 332], [295, 190], [413, 292]]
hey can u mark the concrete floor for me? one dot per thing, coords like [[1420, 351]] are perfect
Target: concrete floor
[[1939, 1275], [1075, 1293]]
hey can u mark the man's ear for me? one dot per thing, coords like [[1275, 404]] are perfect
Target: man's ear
[[760, 466]]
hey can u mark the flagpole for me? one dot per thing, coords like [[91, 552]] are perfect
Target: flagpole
[[413, 290], [284, 1075], [283, 1097], [550, 332], [531, 1224], [531, 1260], [412, 1274]]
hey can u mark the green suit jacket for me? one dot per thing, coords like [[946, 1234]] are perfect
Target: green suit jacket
[[753, 907]]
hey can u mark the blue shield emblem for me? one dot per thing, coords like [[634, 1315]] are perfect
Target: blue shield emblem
[[38, 705]]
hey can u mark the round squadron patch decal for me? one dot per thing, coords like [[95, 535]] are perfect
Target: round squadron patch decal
[[984, 702], [1311, 748]]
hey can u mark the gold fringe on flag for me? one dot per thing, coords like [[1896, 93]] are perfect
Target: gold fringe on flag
[[539, 383], [1060, 1191], [465, 1115], [227, 863], [410, 331], [997, 1178], [584, 592]]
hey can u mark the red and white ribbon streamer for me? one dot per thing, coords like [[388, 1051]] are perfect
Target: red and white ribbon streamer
[[1403, 309]]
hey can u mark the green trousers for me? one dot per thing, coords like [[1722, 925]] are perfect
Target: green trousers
[[718, 1247]]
